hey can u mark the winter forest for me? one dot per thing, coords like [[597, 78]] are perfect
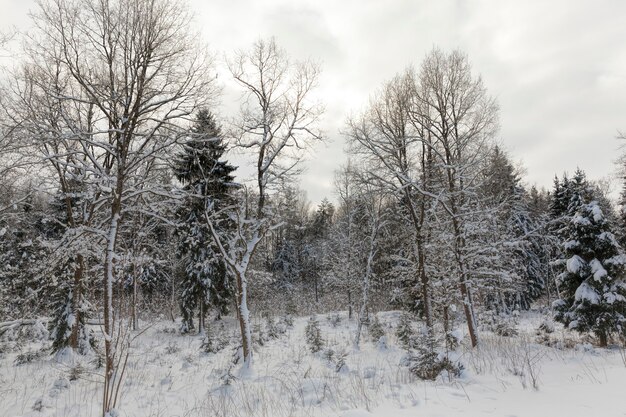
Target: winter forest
[[160, 258]]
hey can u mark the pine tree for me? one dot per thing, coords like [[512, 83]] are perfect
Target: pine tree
[[593, 291], [208, 181]]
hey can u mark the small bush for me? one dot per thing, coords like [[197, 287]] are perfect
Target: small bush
[[272, 329], [337, 359], [376, 329], [314, 335], [75, 372], [404, 332], [453, 339], [424, 361], [334, 319], [505, 329], [287, 320], [213, 343], [340, 361], [258, 334], [28, 357], [328, 354], [171, 348], [547, 326]]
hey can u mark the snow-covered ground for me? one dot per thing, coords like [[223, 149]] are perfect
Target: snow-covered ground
[[169, 375]]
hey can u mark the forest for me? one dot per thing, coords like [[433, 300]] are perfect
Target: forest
[[125, 218]]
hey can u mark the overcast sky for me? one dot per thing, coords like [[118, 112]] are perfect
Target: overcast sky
[[557, 68]]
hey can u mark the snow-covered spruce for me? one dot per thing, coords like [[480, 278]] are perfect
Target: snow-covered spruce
[[592, 286], [208, 184]]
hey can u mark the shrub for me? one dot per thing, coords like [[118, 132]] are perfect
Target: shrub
[[376, 329], [28, 357], [213, 343], [171, 348], [334, 319], [314, 335], [547, 326], [505, 328], [272, 329], [404, 332], [75, 372], [424, 361]]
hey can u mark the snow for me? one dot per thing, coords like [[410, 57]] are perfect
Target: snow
[[290, 381], [598, 271], [596, 212], [581, 220], [575, 264], [586, 293], [612, 297]]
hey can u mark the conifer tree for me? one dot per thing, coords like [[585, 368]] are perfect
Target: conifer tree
[[592, 288], [208, 181]]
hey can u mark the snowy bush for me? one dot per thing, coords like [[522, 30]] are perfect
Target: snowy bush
[[505, 328], [75, 372], [547, 326], [404, 331], [334, 319], [272, 329], [213, 343], [171, 348], [314, 335], [287, 320], [376, 329], [258, 334], [427, 364], [340, 361], [423, 359], [336, 359], [453, 339], [28, 357]]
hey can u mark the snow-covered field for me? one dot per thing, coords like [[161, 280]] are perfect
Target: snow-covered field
[[169, 375]]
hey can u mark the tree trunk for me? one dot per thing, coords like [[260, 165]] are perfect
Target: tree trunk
[[366, 286], [349, 304], [108, 308], [77, 292], [466, 294], [244, 318], [421, 261], [201, 314], [134, 305]]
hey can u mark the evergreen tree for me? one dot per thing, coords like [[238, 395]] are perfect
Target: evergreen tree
[[208, 181], [578, 192], [521, 262], [592, 288]]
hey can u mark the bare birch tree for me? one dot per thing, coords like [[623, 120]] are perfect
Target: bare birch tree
[[278, 122]]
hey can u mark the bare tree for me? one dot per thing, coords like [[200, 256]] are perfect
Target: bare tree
[[397, 157], [136, 73], [374, 203], [425, 136], [457, 121], [278, 122]]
